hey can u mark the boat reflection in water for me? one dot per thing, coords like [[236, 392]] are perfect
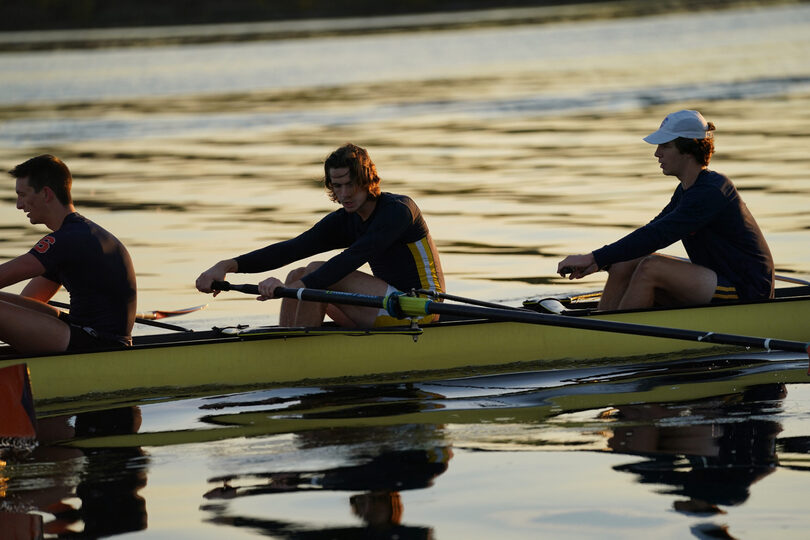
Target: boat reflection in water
[[697, 453], [701, 432], [59, 490], [381, 461], [378, 505], [705, 429]]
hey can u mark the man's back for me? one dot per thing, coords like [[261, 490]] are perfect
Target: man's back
[[96, 269]]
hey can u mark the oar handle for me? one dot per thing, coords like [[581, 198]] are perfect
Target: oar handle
[[311, 295], [249, 288], [225, 286]]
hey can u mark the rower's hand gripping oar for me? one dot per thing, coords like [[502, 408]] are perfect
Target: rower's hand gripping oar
[[400, 305], [390, 303]]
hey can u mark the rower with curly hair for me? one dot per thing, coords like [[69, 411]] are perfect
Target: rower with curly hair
[[385, 230]]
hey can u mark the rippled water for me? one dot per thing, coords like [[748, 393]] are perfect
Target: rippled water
[[521, 144]]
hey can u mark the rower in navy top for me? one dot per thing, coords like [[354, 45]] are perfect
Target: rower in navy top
[[728, 255], [385, 230], [92, 264], [102, 293]]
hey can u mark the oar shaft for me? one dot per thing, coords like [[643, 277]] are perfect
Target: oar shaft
[[464, 300], [400, 305], [615, 326], [789, 279], [140, 320], [309, 295]]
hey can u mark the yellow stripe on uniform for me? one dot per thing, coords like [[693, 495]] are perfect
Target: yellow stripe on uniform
[[725, 293], [425, 264]]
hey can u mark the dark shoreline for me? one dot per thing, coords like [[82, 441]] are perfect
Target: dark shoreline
[[26, 25], [16, 15]]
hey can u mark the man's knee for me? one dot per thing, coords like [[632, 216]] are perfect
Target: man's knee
[[651, 267], [298, 273], [295, 275], [623, 269]]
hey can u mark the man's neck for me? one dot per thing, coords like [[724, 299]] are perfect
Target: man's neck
[[367, 209], [690, 176], [58, 216]]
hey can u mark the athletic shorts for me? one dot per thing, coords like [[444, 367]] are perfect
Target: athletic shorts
[[84, 338], [725, 291], [384, 319]]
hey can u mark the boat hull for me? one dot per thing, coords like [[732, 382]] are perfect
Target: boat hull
[[220, 361]]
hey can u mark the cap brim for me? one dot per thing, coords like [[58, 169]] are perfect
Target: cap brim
[[660, 137]]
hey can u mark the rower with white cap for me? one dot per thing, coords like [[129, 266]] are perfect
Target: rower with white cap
[[729, 258]]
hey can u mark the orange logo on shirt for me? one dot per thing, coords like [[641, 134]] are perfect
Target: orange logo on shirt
[[45, 244]]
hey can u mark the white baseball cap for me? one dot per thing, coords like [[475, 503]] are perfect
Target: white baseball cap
[[687, 124]]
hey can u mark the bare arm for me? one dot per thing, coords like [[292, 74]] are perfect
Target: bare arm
[[37, 292], [40, 288], [23, 267]]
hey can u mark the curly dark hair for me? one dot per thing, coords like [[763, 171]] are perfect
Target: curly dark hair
[[361, 169], [701, 149]]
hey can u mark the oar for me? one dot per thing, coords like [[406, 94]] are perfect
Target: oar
[[400, 306], [462, 299], [788, 279], [162, 314], [149, 318]]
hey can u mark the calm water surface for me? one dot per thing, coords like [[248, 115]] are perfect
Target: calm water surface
[[521, 145]]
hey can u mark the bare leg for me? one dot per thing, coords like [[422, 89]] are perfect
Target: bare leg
[[666, 281], [619, 277], [357, 316], [29, 303], [31, 327], [296, 313]]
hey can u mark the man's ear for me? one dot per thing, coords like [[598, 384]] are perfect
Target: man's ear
[[49, 194]]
